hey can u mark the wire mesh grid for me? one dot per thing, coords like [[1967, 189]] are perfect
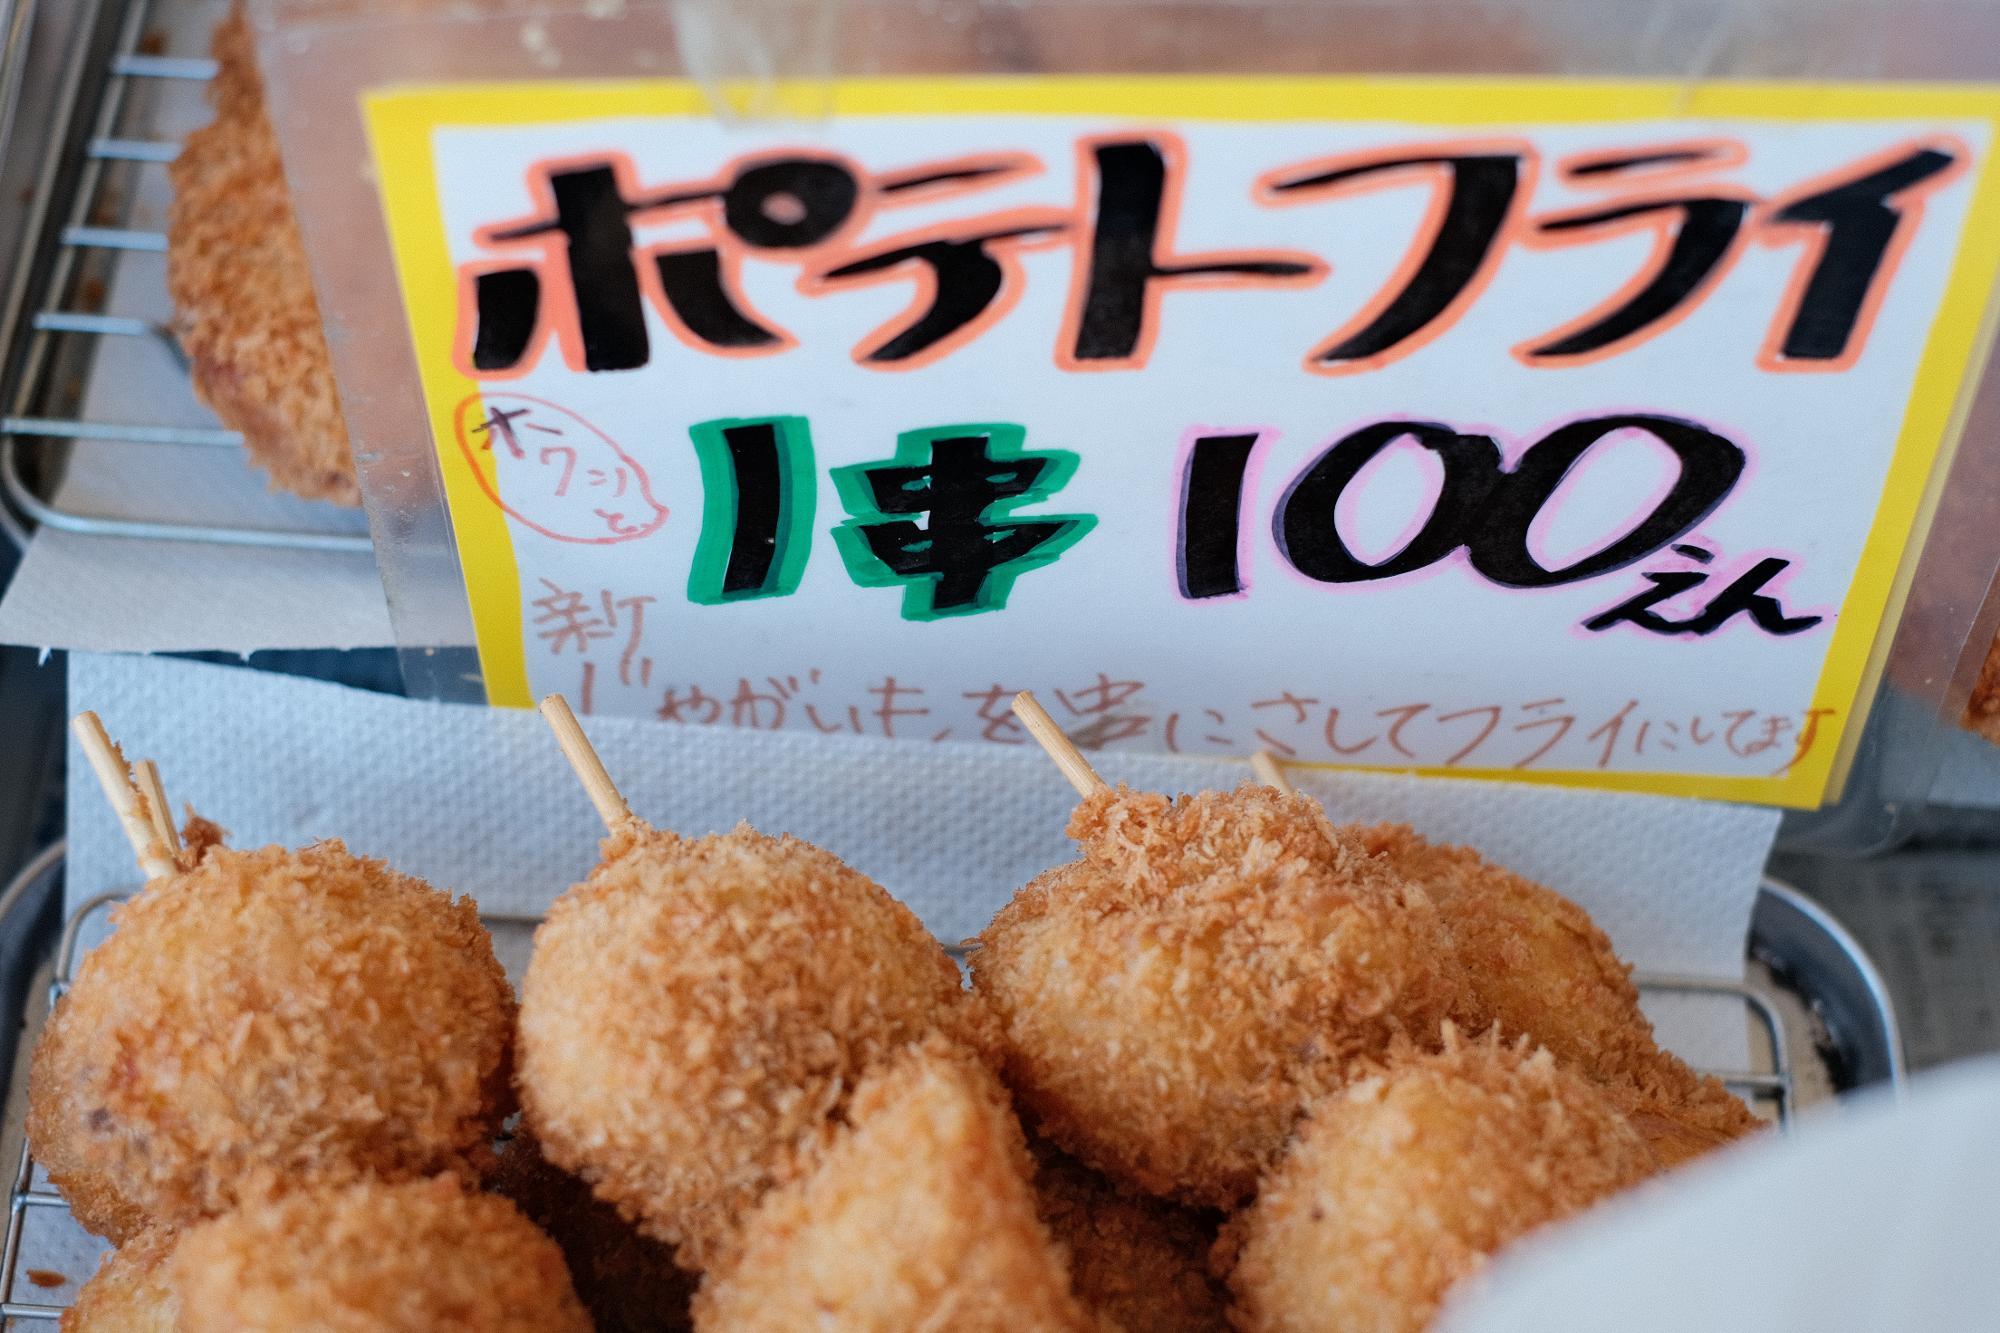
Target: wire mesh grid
[[69, 217], [33, 1201]]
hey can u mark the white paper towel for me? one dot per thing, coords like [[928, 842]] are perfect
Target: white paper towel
[[1879, 1216], [480, 801]]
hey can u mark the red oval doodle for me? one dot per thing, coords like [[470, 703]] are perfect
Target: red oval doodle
[[566, 478]]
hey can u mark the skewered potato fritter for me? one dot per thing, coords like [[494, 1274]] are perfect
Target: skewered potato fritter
[[1536, 964], [1535, 961], [1680, 1113], [1172, 1001], [698, 1011], [919, 1215], [738, 1047], [246, 313], [265, 1021], [421, 1256], [131, 1291], [1408, 1181]]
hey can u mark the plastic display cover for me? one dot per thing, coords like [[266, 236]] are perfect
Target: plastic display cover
[[1571, 392]]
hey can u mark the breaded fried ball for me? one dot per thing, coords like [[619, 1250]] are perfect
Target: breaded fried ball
[[1537, 965], [1171, 1002], [1409, 1181], [628, 1283], [697, 1012], [918, 1216], [418, 1256], [269, 1020], [1136, 1262], [1535, 962], [1681, 1114], [131, 1291], [246, 314]]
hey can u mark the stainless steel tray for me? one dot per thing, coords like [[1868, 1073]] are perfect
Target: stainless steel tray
[[1821, 1020]]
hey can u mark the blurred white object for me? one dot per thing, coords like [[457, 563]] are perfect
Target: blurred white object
[[1879, 1215]]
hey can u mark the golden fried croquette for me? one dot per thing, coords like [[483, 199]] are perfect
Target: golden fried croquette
[[919, 1215], [1172, 1001], [1535, 962], [697, 1012], [1681, 1114], [1537, 965], [418, 1256], [1138, 1263], [1406, 1182], [628, 1283], [55, 1129], [269, 1020], [243, 293], [131, 1291]]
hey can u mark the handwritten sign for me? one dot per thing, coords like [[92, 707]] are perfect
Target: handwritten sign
[[1569, 432]]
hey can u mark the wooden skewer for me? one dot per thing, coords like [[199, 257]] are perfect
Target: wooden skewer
[[147, 774], [1271, 773], [576, 748], [108, 762], [1059, 747]]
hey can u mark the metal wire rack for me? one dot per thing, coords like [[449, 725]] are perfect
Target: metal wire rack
[[33, 1202], [67, 233]]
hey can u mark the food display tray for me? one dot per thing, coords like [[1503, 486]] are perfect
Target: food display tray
[[1821, 1024]]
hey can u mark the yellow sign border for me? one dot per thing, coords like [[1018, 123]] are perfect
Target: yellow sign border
[[400, 123]]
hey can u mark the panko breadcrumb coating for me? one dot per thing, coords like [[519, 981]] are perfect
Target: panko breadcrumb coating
[[131, 1292], [1680, 1113], [420, 1256], [1407, 1182], [1535, 962], [1537, 965], [243, 293], [1171, 1002], [697, 1012], [1138, 1263], [269, 1020], [628, 1283], [918, 1216]]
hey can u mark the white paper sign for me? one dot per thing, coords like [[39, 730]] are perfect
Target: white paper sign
[[1558, 431]]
